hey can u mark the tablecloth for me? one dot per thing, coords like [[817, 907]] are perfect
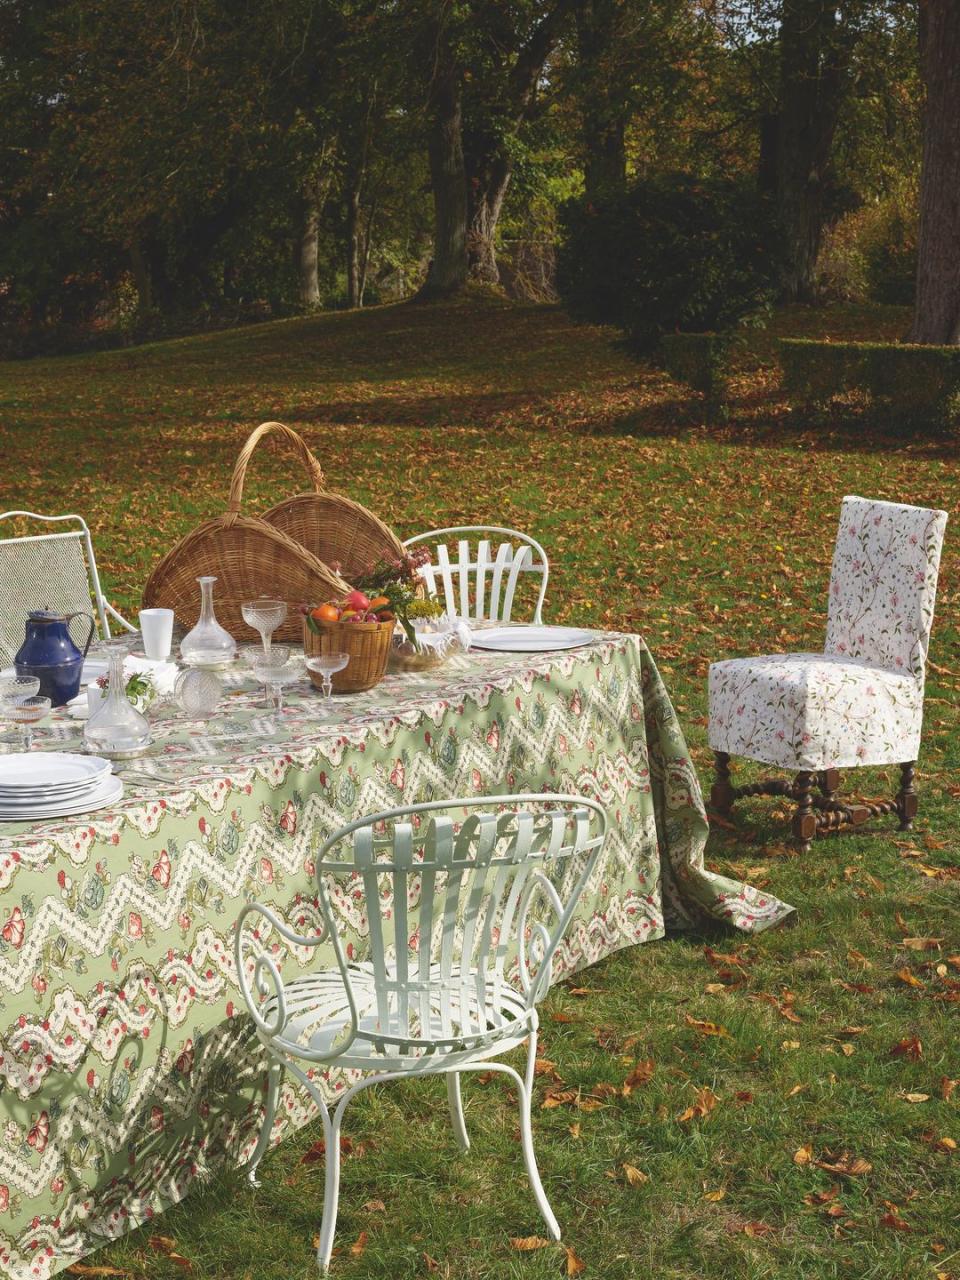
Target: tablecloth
[[128, 1071]]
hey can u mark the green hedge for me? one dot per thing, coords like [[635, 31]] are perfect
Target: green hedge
[[701, 361], [910, 386]]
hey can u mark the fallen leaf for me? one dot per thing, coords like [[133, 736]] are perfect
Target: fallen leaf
[[574, 1130], [803, 1155], [847, 1049], [574, 1264], [947, 1087], [851, 1167], [743, 1095], [162, 1244], [797, 1088], [921, 944], [358, 1246], [716, 989], [915, 1097], [375, 1206], [558, 1098], [857, 957], [755, 1230], [706, 1028], [526, 1243], [430, 1263], [544, 1067], [560, 1017], [894, 1222], [705, 1102], [634, 1176], [909, 1047], [910, 979], [715, 1196], [822, 1197], [787, 1045], [945, 1144], [641, 1074]]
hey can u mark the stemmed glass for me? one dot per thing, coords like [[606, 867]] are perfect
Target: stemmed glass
[[326, 666], [264, 615], [275, 671], [19, 703]]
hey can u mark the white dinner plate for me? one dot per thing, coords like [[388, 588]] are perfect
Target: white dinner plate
[[110, 790], [531, 639], [49, 771]]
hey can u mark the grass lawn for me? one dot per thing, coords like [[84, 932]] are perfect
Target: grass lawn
[[838, 1039]]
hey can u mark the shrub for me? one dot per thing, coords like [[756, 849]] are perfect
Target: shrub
[[699, 360], [673, 253], [911, 387], [871, 254]]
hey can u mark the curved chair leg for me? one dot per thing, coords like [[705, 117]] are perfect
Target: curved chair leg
[[331, 1186], [526, 1138], [274, 1081], [455, 1103]]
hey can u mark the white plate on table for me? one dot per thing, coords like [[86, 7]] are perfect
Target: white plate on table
[[530, 639], [49, 771], [108, 791]]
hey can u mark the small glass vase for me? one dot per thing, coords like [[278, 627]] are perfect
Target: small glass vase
[[116, 729], [208, 644]]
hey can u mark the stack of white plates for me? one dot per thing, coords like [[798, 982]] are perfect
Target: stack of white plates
[[54, 784]]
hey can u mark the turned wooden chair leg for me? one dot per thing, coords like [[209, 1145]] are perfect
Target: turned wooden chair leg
[[907, 800], [829, 783], [804, 818], [721, 793]]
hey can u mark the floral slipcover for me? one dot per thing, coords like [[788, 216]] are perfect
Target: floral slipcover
[[129, 1073], [860, 702]]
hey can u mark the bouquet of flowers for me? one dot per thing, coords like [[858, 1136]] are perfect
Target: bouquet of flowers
[[386, 592]]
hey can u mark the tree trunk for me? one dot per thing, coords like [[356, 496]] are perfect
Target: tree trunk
[[448, 269], [488, 177], [814, 58], [937, 314], [353, 247], [141, 277], [308, 253], [603, 105]]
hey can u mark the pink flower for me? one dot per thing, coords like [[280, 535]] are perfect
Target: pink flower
[[135, 926], [39, 983], [266, 871], [57, 1185], [4, 1198]]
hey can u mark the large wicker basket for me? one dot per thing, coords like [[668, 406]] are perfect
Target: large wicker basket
[[367, 643], [249, 557]]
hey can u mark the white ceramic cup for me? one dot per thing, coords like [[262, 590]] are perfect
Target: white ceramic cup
[[156, 627]]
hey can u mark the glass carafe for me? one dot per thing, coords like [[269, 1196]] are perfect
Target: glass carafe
[[208, 644], [116, 729]]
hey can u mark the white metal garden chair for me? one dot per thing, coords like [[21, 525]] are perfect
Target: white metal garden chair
[[475, 582], [860, 702], [457, 895], [55, 570]]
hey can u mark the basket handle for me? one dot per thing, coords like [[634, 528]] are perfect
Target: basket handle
[[299, 444]]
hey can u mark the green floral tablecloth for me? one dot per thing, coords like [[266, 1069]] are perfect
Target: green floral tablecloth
[[127, 1068]]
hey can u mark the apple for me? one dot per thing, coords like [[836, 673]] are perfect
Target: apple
[[357, 600]]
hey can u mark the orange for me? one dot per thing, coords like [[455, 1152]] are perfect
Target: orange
[[379, 602], [326, 613]]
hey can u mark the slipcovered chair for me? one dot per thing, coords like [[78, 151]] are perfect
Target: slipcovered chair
[[860, 702]]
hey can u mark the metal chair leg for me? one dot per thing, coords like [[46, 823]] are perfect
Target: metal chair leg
[[455, 1103], [526, 1138], [274, 1081], [331, 1186]]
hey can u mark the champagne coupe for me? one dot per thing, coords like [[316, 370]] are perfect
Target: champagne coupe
[[26, 713], [275, 676], [326, 666], [15, 692], [264, 615]]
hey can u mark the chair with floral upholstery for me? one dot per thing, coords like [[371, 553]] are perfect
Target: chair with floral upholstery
[[860, 702]]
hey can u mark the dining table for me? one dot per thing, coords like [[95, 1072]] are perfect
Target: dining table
[[129, 1069]]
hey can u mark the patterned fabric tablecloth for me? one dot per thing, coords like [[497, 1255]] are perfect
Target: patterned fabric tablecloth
[[128, 1071]]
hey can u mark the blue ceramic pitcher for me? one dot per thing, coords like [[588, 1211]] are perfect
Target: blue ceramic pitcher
[[48, 652]]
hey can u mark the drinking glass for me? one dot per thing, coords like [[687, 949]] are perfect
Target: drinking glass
[[276, 676], [326, 666], [15, 692], [26, 713], [197, 693], [264, 615]]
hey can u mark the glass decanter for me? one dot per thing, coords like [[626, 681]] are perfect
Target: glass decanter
[[208, 644], [116, 729]]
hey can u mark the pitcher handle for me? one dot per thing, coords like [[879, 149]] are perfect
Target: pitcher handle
[[93, 627]]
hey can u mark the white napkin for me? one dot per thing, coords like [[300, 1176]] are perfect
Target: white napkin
[[161, 671]]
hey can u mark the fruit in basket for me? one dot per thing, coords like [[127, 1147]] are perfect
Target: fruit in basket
[[328, 612], [357, 601]]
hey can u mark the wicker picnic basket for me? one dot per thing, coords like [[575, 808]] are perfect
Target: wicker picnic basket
[[248, 555], [367, 643]]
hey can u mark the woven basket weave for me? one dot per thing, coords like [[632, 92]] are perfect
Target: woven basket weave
[[336, 530], [248, 555], [367, 643]]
